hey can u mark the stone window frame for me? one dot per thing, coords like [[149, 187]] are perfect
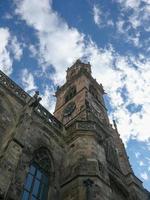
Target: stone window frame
[[70, 93], [93, 91], [39, 176]]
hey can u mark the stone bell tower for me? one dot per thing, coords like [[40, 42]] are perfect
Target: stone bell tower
[[80, 107], [80, 94], [96, 166]]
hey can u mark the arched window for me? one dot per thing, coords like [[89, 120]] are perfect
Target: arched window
[[37, 181], [93, 91], [70, 93]]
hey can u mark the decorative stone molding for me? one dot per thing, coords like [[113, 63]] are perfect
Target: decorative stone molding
[[116, 172], [119, 185], [90, 126], [22, 95], [13, 87], [40, 110], [86, 126]]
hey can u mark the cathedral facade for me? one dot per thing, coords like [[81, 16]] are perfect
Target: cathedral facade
[[75, 154]]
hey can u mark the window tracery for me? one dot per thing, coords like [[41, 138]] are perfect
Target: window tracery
[[70, 93], [93, 91], [37, 181]]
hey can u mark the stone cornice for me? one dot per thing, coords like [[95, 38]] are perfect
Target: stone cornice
[[88, 127], [132, 180], [24, 97], [13, 88], [119, 183], [48, 117], [83, 176]]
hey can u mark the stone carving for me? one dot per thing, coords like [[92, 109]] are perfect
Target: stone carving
[[41, 157], [101, 168], [13, 87], [48, 116], [86, 126], [19, 92], [34, 102], [111, 154]]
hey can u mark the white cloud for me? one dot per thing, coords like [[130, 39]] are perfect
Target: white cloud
[[139, 15], [132, 4], [124, 28], [134, 20], [144, 176], [10, 50], [137, 86], [119, 25], [141, 163], [148, 159], [59, 44], [48, 99], [137, 154], [16, 48], [110, 22], [33, 50], [28, 81], [97, 14], [148, 146], [8, 16], [5, 60]]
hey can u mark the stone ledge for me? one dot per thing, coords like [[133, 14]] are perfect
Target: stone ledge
[[7, 83], [13, 87]]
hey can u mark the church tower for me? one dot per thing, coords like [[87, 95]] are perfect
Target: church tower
[[96, 165], [80, 94]]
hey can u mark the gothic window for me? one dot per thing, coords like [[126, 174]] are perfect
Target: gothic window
[[111, 153], [93, 91], [70, 93], [37, 181]]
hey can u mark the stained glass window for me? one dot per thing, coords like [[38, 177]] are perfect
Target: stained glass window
[[37, 181]]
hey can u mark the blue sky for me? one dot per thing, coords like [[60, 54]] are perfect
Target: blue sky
[[40, 39]]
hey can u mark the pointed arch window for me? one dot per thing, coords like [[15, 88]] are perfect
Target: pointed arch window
[[70, 93], [93, 91], [37, 181]]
